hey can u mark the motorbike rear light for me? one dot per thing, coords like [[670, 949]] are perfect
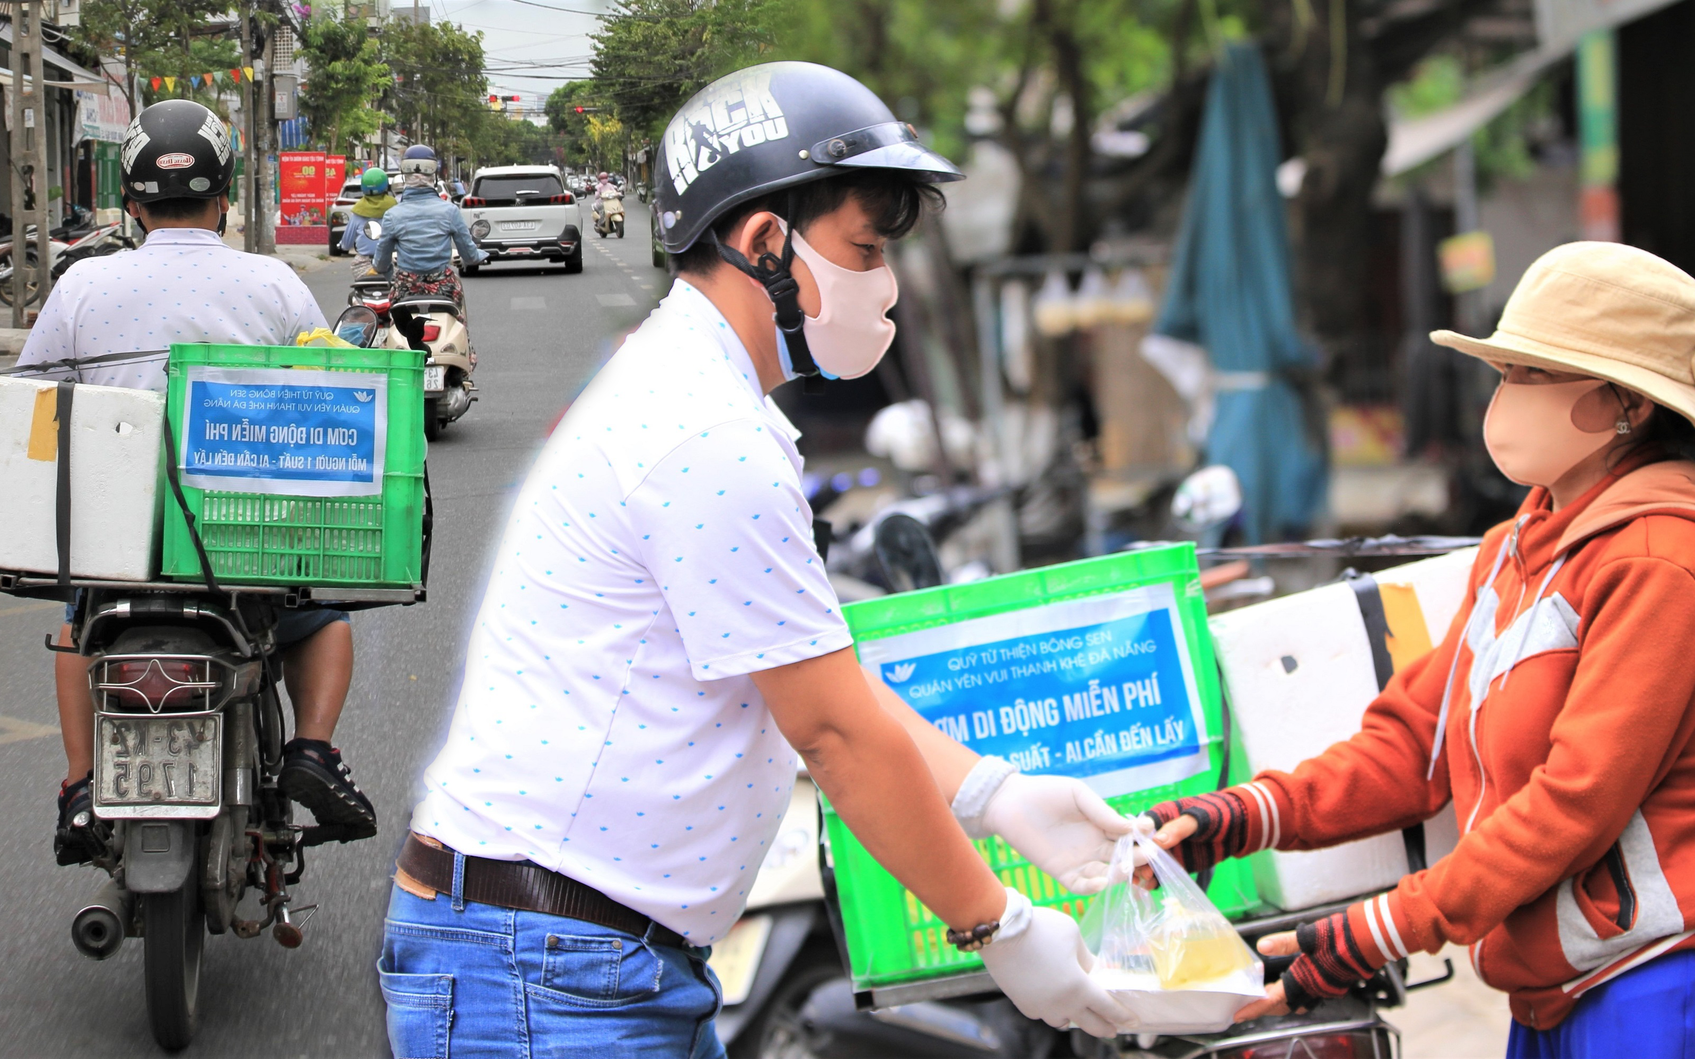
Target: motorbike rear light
[[157, 683], [562, 200], [432, 332], [1356, 1045], [377, 305], [472, 202]]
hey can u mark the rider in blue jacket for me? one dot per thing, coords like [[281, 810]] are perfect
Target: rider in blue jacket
[[419, 235]]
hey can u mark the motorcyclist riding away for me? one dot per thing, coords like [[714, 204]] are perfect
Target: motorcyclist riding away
[[376, 201], [604, 189], [185, 284], [419, 235]]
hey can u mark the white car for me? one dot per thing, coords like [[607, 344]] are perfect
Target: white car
[[524, 211]]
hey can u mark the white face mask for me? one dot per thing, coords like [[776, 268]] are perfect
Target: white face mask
[[852, 331]]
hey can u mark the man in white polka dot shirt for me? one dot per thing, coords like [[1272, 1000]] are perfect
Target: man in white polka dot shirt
[[657, 633]]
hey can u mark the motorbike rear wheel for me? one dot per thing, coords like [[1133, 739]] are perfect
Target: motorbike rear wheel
[[432, 419], [619, 224], [175, 938], [32, 278]]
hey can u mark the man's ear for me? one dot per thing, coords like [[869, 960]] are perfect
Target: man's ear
[[759, 233]]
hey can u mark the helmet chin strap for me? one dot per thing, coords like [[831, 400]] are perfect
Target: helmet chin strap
[[780, 285]]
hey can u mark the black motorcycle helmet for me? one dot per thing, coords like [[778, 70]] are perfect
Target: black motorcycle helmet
[[770, 127], [176, 149], [765, 129]]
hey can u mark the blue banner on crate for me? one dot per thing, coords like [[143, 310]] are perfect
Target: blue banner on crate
[[282, 430], [1100, 688]]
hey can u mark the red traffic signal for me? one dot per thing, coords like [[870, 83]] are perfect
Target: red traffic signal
[[581, 109]]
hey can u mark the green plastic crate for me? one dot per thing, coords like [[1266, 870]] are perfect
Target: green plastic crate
[[891, 936], [270, 539]]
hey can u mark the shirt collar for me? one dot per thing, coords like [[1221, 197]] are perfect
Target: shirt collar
[[685, 299], [183, 237]]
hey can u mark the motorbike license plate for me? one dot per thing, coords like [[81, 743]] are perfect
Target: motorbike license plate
[[163, 765], [735, 958], [435, 378], [519, 226]]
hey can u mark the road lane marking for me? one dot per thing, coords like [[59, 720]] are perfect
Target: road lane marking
[[613, 301], [15, 730], [536, 303]]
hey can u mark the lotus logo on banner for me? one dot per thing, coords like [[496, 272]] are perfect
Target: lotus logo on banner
[[901, 673]]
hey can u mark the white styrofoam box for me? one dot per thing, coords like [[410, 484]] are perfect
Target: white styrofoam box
[[116, 447], [1300, 675]]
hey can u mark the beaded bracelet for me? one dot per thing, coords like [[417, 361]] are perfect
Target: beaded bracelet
[[976, 938]]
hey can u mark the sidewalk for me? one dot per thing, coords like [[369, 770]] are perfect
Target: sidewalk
[[1460, 1019], [301, 258]]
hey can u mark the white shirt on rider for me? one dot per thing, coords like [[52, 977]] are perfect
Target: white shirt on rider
[[181, 285], [659, 552]]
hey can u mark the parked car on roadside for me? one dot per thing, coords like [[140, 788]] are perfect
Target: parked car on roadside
[[340, 211], [524, 211]]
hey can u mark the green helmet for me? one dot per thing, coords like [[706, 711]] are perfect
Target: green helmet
[[373, 181]]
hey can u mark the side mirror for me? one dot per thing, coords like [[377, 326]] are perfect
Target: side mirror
[[373, 229], [1207, 499], [357, 324]]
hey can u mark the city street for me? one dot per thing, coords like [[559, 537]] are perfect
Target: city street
[[539, 334]]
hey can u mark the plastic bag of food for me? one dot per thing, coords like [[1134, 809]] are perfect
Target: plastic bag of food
[[322, 336], [1167, 953]]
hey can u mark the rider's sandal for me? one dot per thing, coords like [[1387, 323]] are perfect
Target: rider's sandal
[[314, 775], [80, 836]]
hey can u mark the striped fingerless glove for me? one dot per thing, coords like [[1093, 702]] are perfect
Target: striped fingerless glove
[[1332, 960], [1222, 831]]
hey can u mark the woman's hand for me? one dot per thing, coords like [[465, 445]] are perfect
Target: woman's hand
[[1165, 838], [1275, 1002]]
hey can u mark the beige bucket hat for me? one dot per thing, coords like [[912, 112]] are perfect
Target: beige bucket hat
[[1603, 309]]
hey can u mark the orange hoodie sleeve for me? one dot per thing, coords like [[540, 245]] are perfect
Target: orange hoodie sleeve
[[1373, 782], [1615, 737]]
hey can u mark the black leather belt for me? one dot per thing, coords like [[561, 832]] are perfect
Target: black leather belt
[[528, 887]]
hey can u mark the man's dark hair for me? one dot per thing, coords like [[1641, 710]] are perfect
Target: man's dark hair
[[178, 209], [893, 198]]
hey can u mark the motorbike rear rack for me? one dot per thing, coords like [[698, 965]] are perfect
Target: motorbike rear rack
[[44, 586]]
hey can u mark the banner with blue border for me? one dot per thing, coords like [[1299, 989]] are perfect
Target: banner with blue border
[[1100, 688], [284, 430]]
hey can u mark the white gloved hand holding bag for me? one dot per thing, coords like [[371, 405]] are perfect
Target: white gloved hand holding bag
[[1039, 961]]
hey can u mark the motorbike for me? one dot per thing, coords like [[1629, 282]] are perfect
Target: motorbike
[[609, 214], [69, 243], [433, 326], [189, 734]]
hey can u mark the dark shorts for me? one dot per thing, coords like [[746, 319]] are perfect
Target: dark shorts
[[293, 627]]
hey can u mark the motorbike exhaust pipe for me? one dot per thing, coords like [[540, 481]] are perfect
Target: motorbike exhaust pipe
[[98, 930]]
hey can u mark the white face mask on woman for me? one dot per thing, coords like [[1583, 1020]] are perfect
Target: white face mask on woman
[[1530, 434], [852, 330]]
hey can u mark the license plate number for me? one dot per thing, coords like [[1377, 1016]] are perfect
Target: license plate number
[[146, 762], [519, 226], [435, 377]]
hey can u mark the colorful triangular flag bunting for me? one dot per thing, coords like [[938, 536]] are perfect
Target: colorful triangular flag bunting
[[171, 84], [156, 82]]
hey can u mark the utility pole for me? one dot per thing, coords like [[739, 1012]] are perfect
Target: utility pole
[[264, 115], [28, 150], [249, 149]]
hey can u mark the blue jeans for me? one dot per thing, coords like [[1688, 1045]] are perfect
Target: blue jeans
[[482, 982], [1646, 1013]]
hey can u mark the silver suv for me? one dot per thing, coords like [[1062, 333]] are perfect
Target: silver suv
[[524, 211]]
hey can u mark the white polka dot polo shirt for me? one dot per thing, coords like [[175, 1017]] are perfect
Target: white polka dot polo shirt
[[659, 553], [181, 285]]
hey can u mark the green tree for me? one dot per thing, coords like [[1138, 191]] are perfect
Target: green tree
[[570, 126], [346, 75], [652, 55], [159, 38], [439, 93]]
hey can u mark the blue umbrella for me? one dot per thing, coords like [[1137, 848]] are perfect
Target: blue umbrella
[[1229, 293]]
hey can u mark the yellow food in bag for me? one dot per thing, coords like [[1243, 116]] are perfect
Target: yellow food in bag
[[1188, 951]]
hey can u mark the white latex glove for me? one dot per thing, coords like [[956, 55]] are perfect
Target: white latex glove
[[1043, 968], [1060, 826]]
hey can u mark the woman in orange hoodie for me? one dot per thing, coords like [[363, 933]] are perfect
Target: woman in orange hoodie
[[1557, 713]]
